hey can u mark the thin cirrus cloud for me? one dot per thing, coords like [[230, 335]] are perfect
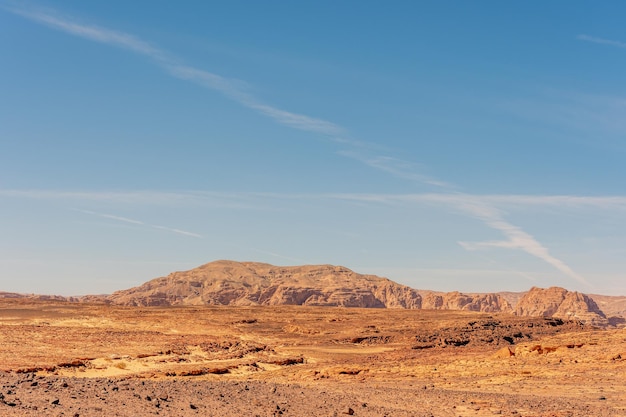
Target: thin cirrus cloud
[[251, 199], [232, 89], [396, 167], [139, 223], [516, 237], [486, 208], [602, 41]]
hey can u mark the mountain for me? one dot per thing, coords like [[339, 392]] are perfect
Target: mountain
[[561, 303], [489, 303], [38, 297], [251, 283], [611, 305]]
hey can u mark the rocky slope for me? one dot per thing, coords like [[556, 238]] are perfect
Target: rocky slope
[[251, 283], [561, 303], [613, 306], [489, 303], [40, 297]]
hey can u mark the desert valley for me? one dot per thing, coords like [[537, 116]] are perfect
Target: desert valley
[[233, 339], [445, 180]]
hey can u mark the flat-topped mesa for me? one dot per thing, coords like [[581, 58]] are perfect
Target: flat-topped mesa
[[251, 283], [561, 303]]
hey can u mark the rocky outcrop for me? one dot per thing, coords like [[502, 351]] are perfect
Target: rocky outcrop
[[561, 303], [613, 306], [38, 297], [490, 303], [250, 283], [494, 331]]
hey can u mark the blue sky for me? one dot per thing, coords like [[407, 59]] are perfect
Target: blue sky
[[473, 146]]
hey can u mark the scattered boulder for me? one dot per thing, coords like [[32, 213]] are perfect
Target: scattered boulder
[[503, 353]]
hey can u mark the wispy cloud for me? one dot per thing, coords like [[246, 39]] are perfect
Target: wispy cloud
[[112, 217], [252, 199], [145, 198], [602, 41], [139, 223], [94, 33], [231, 88], [483, 208], [396, 167], [487, 208], [516, 237], [235, 90], [178, 231]]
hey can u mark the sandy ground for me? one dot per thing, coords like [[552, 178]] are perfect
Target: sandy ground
[[60, 359]]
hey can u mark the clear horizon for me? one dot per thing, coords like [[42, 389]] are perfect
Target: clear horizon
[[445, 146]]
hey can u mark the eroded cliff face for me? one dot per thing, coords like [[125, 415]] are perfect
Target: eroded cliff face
[[561, 303], [250, 283], [490, 303]]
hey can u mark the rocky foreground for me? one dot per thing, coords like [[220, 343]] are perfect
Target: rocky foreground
[[31, 395], [76, 359]]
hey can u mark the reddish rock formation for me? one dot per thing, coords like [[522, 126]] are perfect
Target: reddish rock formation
[[613, 306], [455, 300], [561, 303], [250, 283]]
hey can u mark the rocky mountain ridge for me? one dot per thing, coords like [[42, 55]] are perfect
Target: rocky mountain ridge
[[252, 283], [561, 303], [489, 303]]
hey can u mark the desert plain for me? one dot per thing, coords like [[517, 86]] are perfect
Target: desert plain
[[88, 359]]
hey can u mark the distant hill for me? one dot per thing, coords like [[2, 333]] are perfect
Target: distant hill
[[253, 283], [561, 303], [489, 303], [611, 305], [543, 302]]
